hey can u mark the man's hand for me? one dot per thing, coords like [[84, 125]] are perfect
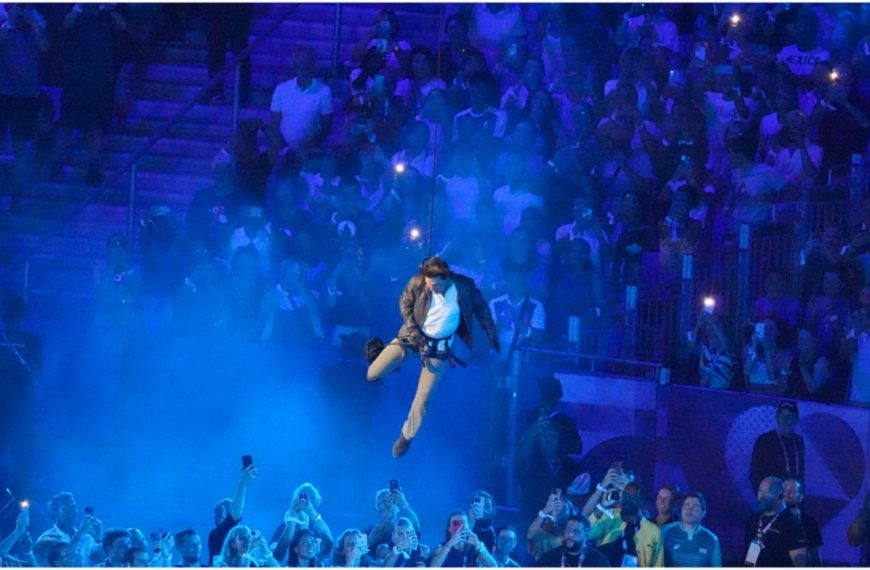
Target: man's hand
[[554, 505], [475, 512], [398, 498], [417, 338]]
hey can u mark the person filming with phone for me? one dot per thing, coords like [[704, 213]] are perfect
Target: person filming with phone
[[302, 515], [228, 512], [461, 547], [392, 505]]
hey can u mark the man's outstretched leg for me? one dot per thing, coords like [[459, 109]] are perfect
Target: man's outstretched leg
[[430, 375]]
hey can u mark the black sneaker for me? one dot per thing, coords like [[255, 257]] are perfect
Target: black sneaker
[[373, 348]]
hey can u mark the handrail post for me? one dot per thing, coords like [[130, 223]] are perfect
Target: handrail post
[[26, 279], [687, 303], [131, 208], [237, 85], [336, 41], [743, 260], [630, 341], [513, 388]]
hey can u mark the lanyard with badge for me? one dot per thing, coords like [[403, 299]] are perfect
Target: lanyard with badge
[[756, 545], [580, 559], [788, 471]]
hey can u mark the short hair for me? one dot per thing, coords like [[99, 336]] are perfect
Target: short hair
[[460, 19], [404, 521], [434, 267], [54, 503], [696, 495], [550, 388], [131, 552], [183, 535], [511, 528], [113, 534]]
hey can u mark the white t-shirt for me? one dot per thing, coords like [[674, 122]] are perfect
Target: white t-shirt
[[510, 206], [802, 62], [301, 109], [442, 320], [789, 163]]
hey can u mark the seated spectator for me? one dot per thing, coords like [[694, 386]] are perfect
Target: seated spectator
[[573, 549], [480, 125], [723, 105], [774, 537], [766, 358], [464, 186], [301, 111], [461, 547], [587, 226], [687, 543], [858, 533], [516, 99], [351, 550], [812, 375], [519, 317], [116, 543], [717, 358], [622, 534], [392, 506], [856, 348], [228, 514], [793, 498], [632, 237], [407, 550], [842, 117], [518, 193], [776, 302], [189, 546], [293, 314], [213, 208], [828, 314], [252, 231], [505, 543], [771, 125], [827, 254], [302, 516], [53, 553], [793, 156], [456, 49], [422, 80], [384, 40], [800, 57], [756, 187], [667, 505], [417, 152]]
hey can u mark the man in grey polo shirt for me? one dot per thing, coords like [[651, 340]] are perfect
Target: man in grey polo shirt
[[687, 542]]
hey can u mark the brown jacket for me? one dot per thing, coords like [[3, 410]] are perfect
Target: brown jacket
[[415, 300]]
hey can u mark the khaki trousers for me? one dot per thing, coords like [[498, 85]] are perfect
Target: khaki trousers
[[433, 370]]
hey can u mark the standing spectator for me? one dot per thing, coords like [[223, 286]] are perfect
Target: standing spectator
[[858, 533], [519, 317], [392, 506], [780, 452], [813, 375], [456, 49], [422, 80], [480, 124], [302, 516], [89, 76], [461, 547], [81, 540], [624, 536], [351, 550], [667, 505], [793, 498], [228, 25], [573, 550], [773, 535], [189, 545], [407, 550], [481, 513], [505, 542], [716, 359], [301, 109], [801, 57], [22, 42], [794, 157], [116, 543], [766, 358], [687, 542], [776, 302], [228, 514]]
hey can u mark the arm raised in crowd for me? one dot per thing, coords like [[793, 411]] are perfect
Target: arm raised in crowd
[[237, 504]]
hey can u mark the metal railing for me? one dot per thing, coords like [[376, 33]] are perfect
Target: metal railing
[[130, 165]]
